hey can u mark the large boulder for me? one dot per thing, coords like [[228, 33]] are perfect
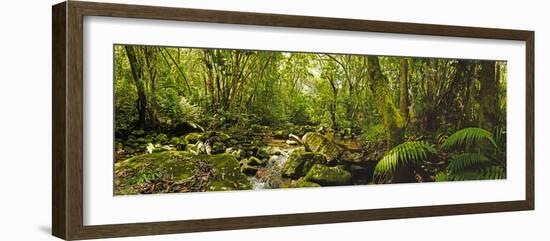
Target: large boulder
[[328, 176], [299, 163], [178, 171], [316, 142]]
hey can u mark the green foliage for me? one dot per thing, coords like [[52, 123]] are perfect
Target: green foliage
[[251, 94], [407, 152], [466, 165], [373, 133], [442, 177], [468, 137], [299, 112], [487, 173], [145, 176], [125, 107], [463, 161], [174, 109]]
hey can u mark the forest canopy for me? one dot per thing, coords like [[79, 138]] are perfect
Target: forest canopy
[[305, 119]]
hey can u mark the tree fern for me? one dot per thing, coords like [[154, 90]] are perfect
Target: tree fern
[[410, 151], [463, 161], [468, 136]]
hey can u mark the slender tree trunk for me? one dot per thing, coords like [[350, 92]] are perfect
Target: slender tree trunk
[[488, 96], [137, 74], [333, 105], [404, 87], [151, 63]]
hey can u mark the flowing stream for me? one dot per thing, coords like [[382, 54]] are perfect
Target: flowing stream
[[270, 177]]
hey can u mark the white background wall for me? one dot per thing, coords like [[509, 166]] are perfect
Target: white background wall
[[25, 120]]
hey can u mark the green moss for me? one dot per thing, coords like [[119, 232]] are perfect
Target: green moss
[[254, 161], [328, 176], [316, 142], [303, 183], [178, 166], [299, 163]]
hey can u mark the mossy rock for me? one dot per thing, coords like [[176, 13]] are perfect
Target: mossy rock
[[299, 163], [328, 176], [316, 142], [161, 138], [303, 183], [179, 166], [193, 138], [253, 161], [249, 169]]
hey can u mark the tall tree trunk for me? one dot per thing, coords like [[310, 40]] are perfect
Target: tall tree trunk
[[150, 55], [404, 87], [393, 121], [488, 96], [137, 74], [334, 104]]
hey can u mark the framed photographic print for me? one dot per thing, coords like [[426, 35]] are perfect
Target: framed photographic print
[[171, 120]]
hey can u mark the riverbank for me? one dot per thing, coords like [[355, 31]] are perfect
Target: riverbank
[[256, 159]]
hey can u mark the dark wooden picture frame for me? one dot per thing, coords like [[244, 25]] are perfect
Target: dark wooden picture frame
[[67, 152]]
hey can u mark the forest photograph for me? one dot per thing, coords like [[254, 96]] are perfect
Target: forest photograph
[[203, 119]]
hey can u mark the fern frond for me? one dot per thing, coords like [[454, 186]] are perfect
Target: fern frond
[[468, 135], [410, 151], [464, 160], [489, 173]]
